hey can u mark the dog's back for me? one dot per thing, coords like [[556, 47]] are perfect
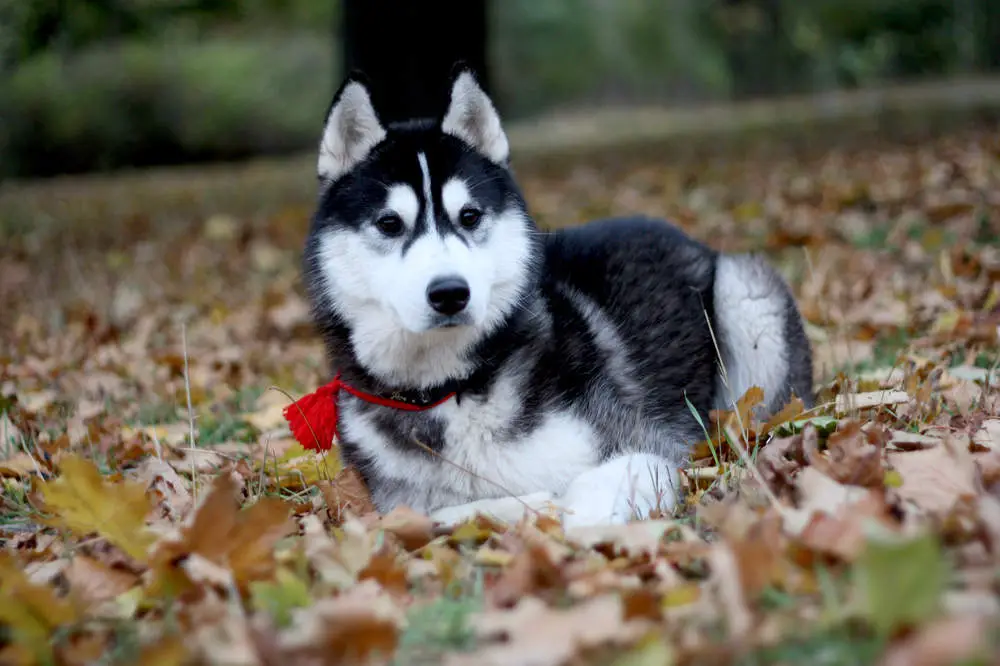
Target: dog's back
[[695, 328]]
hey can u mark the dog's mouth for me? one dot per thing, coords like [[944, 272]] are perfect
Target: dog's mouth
[[450, 321]]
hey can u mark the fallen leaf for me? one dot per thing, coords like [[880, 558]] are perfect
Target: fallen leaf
[[243, 541], [854, 456], [85, 502], [414, 530], [95, 582], [787, 413], [280, 597], [18, 465], [934, 480], [634, 538], [947, 641], [346, 494], [900, 580], [31, 613], [361, 626], [172, 496], [531, 634], [846, 403]]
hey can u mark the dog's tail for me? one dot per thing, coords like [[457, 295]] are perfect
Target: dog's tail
[[760, 335]]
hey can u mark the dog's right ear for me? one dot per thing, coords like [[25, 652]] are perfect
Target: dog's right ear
[[352, 129]]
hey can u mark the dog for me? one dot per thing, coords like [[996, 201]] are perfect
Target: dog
[[490, 367]]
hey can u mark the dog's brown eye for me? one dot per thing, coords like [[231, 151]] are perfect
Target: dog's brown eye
[[389, 225], [469, 217]]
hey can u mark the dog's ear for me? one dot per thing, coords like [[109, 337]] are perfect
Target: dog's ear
[[352, 129], [472, 118]]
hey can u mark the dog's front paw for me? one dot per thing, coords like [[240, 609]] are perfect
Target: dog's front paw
[[621, 489]]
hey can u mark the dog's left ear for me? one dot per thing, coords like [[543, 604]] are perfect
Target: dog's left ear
[[472, 118]]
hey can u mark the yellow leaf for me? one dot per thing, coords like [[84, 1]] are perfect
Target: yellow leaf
[[31, 612], [298, 468], [84, 502]]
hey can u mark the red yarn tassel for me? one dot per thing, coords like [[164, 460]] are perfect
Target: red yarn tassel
[[313, 417]]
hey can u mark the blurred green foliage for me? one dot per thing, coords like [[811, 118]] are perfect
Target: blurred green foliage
[[101, 84]]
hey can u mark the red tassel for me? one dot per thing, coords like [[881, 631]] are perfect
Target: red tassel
[[313, 417]]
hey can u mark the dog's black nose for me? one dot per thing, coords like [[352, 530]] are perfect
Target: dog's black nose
[[448, 295]]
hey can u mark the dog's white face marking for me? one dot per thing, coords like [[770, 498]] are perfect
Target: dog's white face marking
[[425, 173], [379, 284], [454, 195], [403, 201]]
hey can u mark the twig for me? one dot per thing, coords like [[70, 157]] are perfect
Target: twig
[[187, 388]]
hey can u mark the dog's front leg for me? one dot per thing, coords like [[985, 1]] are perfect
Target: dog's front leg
[[506, 509], [624, 487]]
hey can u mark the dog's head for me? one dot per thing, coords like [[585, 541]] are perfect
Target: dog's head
[[421, 244]]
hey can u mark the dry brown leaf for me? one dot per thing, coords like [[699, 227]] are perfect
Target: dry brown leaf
[[388, 571], [787, 413], [414, 530], [854, 456], [533, 570], [361, 626], [641, 537], [338, 562], [18, 465], [942, 643], [531, 634], [242, 541], [95, 582], [346, 494], [847, 403], [167, 487], [912, 441], [935, 480]]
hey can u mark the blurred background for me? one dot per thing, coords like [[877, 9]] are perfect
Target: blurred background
[[98, 85]]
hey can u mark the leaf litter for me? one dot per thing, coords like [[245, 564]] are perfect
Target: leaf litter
[[155, 509]]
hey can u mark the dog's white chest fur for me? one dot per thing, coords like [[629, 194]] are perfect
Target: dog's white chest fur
[[484, 458]]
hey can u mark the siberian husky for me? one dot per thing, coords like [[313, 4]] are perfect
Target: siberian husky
[[487, 365]]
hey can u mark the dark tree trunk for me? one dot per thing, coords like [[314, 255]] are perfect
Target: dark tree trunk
[[991, 33], [757, 48], [407, 50]]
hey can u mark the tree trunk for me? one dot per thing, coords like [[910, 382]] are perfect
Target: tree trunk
[[408, 49]]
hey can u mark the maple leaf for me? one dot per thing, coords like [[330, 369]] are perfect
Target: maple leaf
[[85, 502], [241, 541]]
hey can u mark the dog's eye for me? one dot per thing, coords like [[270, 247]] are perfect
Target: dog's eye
[[390, 225], [469, 217]]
